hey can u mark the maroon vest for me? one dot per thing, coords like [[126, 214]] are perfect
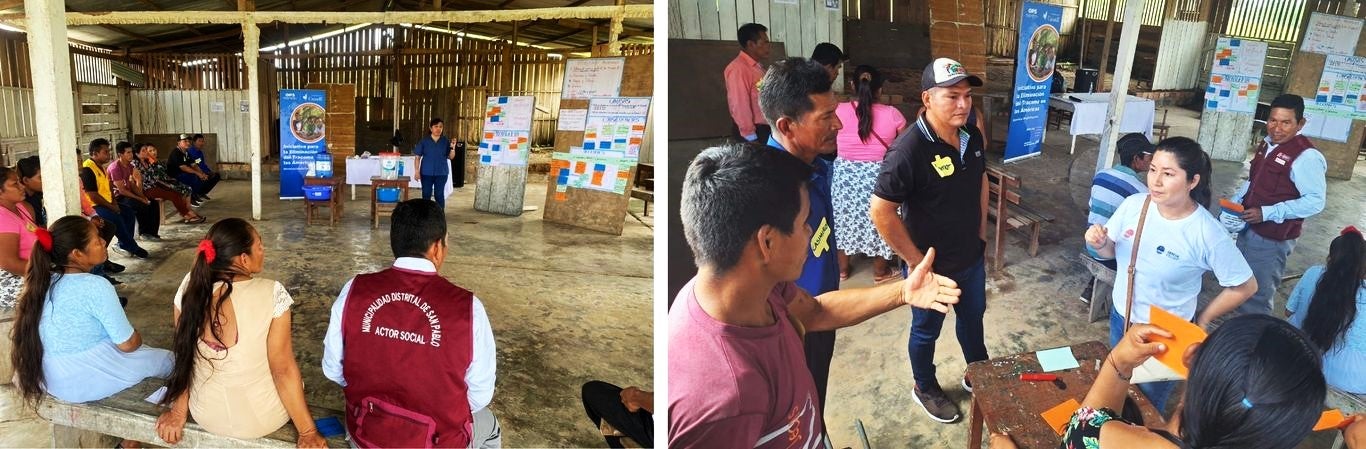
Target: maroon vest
[[407, 344], [1269, 183]]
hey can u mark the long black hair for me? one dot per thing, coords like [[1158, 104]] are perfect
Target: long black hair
[[44, 269], [867, 82], [1333, 306], [230, 238], [1194, 161], [1257, 381]]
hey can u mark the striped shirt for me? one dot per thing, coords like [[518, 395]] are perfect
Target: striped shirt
[[1109, 188]]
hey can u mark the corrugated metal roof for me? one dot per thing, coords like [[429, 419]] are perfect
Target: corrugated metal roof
[[549, 33]]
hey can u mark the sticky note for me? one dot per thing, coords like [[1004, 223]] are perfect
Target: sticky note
[[1184, 335], [485, 159], [502, 100], [1330, 419], [1058, 416], [488, 135], [561, 196], [1057, 359], [589, 145]]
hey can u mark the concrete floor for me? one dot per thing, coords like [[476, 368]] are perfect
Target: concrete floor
[[1032, 303], [567, 305]]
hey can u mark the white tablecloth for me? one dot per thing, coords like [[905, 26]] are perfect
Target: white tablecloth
[[1089, 115], [359, 171]]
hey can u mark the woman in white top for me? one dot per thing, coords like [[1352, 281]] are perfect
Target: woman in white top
[[1180, 241], [235, 369]]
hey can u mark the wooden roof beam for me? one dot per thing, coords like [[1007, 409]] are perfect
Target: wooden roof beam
[[192, 40], [556, 38], [346, 17], [116, 29]]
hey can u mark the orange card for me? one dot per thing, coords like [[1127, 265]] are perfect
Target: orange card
[[561, 196], [1185, 334], [1226, 204], [597, 177], [1058, 416], [580, 167], [488, 135], [521, 139], [1330, 419], [1217, 78]]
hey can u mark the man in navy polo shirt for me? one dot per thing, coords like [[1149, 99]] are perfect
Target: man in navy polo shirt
[[936, 174], [796, 99]]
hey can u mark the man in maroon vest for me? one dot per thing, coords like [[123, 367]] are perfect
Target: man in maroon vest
[[1284, 187], [413, 352]]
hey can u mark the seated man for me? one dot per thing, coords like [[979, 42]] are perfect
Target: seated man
[[630, 411], [187, 168], [1112, 185], [129, 194], [95, 183], [737, 369], [411, 350]]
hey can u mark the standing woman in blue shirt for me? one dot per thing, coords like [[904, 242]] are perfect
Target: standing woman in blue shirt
[[433, 156]]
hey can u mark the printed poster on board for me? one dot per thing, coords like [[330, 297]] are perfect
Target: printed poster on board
[[303, 133], [1035, 60]]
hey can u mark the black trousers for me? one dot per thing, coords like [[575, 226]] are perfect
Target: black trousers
[[820, 348], [149, 216], [458, 169], [602, 401]]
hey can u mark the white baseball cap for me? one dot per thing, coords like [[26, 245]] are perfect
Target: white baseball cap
[[944, 72]]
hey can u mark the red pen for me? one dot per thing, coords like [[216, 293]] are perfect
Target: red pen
[[1038, 377]]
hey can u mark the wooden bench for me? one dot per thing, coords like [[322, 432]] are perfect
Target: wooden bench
[[644, 185], [1101, 288], [127, 415], [1004, 208]]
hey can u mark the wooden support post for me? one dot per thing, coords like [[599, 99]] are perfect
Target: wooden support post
[[251, 51], [1124, 65], [1105, 49], [614, 35], [506, 85], [53, 105]]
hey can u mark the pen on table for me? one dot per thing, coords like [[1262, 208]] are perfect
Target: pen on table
[[1038, 377]]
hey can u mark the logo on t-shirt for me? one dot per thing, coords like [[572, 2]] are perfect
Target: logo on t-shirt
[[820, 240], [1129, 233], [1162, 250]]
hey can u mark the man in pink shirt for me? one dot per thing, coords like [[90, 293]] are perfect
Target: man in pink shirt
[[737, 370], [742, 83]]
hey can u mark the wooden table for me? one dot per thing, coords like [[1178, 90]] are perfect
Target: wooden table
[[1002, 402], [378, 209], [333, 203]]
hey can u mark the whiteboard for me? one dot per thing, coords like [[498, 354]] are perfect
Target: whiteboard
[[1331, 35], [593, 77]]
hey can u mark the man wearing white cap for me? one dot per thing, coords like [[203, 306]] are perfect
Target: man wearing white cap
[[936, 174]]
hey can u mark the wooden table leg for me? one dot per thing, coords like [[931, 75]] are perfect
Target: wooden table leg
[[975, 425]]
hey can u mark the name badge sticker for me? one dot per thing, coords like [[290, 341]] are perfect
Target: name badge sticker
[[942, 165]]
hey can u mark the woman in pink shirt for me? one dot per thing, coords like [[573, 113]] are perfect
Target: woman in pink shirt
[[16, 237], [869, 129]]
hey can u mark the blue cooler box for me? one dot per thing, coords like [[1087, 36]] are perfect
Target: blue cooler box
[[387, 194], [318, 193]]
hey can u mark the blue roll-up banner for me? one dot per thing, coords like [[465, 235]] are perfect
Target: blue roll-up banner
[[302, 135], [1038, 51]]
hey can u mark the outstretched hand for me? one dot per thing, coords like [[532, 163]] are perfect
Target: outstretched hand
[[926, 290]]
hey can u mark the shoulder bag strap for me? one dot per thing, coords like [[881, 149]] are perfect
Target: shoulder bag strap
[[1133, 259]]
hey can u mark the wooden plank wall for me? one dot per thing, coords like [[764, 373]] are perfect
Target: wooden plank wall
[[340, 122], [800, 27], [192, 111]]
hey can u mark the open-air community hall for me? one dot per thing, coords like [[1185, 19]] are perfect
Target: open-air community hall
[[377, 223]]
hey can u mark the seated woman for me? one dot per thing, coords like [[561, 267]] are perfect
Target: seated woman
[[235, 369], [16, 237], [31, 177], [71, 338], [1255, 382], [1325, 304], [151, 177], [1180, 241]]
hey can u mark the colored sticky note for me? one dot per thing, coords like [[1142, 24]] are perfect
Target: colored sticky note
[[606, 145], [1217, 79], [1058, 416], [521, 139], [1212, 104], [1223, 62], [485, 159], [502, 100], [1331, 419], [1235, 42], [589, 146], [1057, 359], [493, 119], [1223, 92], [561, 196], [597, 178], [1184, 334], [488, 135]]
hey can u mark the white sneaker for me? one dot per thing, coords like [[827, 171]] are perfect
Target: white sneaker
[[120, 251], [966, 386]]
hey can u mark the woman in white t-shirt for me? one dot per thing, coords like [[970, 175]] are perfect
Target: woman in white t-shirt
[[1180, 241]]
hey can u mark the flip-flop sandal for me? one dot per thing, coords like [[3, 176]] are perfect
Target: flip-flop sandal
[[844, 277], [196, 220], [884, 277]]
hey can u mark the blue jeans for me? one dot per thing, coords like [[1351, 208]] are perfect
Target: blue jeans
[[926, 324], [434, 188], [1156, 392], [123, 221]]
